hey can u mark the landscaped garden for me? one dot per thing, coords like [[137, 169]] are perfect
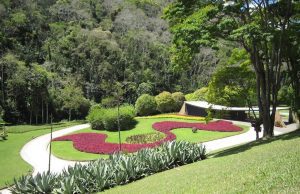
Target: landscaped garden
[[86, 143], [259, 167], [136, 71]]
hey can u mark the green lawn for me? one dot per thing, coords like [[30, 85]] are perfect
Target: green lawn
[[258, 167], [27, 128], [11, 163], [65, 149]]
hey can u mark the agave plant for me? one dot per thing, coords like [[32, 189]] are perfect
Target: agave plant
[[45, 182], [118, 169], [22, 185]]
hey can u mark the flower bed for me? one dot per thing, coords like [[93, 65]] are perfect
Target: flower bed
[[95, 142]]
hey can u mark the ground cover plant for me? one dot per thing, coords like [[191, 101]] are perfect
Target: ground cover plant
[[258, 167], [65, 149], [11, 163], [145, 138], [119, 169], [95, 143]]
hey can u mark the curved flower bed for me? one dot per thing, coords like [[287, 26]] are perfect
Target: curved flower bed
[[95, 142]]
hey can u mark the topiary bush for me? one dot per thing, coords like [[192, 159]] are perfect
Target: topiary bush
[[164, 102], [179, 99], [145, 105], [101, 118]]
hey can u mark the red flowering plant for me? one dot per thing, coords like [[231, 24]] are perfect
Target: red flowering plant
[[95, 142]]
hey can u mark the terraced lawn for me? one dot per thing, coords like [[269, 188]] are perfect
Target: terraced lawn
[[65, 149]]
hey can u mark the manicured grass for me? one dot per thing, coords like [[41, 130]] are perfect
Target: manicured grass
[[27, 128], [186, 134], [11, 163], [258, 167], [65, 149]]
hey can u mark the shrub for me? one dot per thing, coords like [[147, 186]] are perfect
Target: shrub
[[101, 118], [109, 102], [199, 94], [164, 102], [145, 105], [117, 170], [179, 99], [95, 117]]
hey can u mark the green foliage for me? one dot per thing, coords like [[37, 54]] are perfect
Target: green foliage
[[234, 83], [109, 102], [117, 170], [285, 95], [145, 105], [72, 97], [107, 118], [95, 117], [209, 115], [198, 95], [144, 88], [164, 102], [179, 99]]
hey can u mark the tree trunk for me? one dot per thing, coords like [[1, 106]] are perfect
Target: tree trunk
[[70, 114], [42, 111], [30, 115], [47, 113]]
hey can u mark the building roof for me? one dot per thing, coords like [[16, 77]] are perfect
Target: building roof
[[204, 104]]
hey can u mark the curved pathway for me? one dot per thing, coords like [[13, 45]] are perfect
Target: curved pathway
[[36, 152], [247, 137]]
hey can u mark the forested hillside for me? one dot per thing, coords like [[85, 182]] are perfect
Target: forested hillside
[[60, 56]]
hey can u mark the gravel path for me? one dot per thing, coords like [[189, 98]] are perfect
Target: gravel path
[[36, 152]]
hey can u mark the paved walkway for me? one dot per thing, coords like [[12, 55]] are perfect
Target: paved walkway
[[36, 152], [245, 137]]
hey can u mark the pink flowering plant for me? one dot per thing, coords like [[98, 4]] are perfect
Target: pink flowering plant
[[95, 142]]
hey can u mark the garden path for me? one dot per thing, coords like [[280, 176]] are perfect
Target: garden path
[[36, 152]]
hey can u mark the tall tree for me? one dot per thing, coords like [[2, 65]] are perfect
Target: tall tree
[[262, 27]]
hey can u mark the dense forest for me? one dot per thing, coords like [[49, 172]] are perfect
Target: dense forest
[[59, 57]]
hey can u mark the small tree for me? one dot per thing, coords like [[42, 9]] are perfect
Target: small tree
[[72, 96]]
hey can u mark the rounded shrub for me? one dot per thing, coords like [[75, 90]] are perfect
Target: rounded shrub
[[179, 99], [145, 105], [164, 102], [95, 117], [199, 94], [107, 119]]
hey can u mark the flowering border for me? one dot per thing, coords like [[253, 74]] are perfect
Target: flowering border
[[95, 142]]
